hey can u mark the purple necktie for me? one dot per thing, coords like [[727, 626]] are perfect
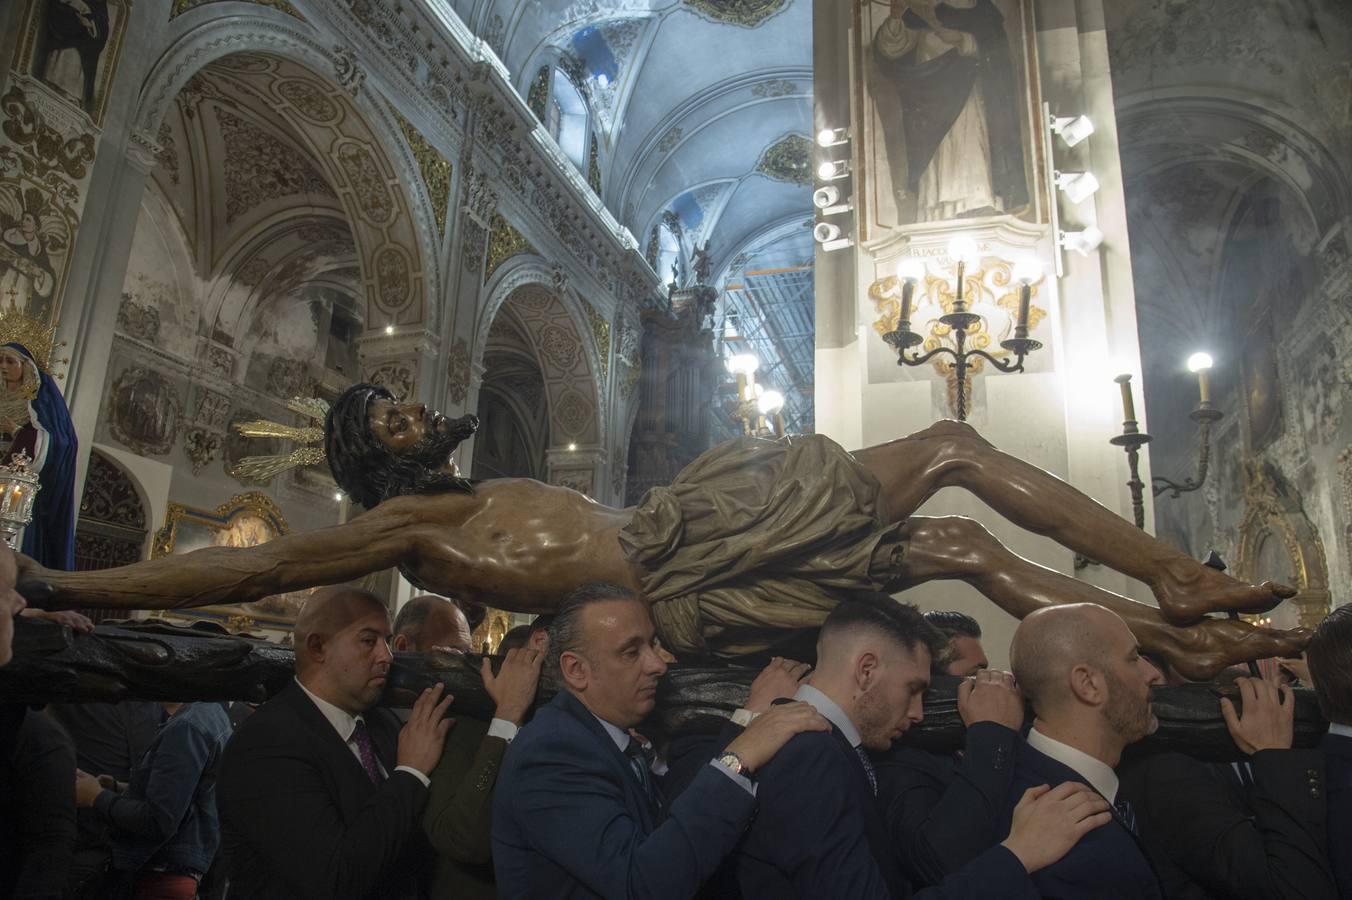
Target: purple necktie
[[361, 738]]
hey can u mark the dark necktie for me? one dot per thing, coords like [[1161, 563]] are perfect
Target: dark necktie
[[868, 768], [361, 739], [642, 766], [1127, 815]]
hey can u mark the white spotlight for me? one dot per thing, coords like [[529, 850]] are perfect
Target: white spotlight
[[825, 232], [389, 329], [911, 269], [771, 402], [1199, 362], [833, 137], [1027, 270], [963, 249], [1077, 186], [823, 197], [1072, 129], [572, 447], [1082, 242], [338, 496], [743, 364], [832, 169]]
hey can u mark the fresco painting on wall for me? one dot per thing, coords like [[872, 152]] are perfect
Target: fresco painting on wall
[[72, 48], [968, 143]]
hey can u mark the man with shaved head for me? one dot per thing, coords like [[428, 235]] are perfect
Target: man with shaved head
[[430, 623], [320, 792], [1081, 669]]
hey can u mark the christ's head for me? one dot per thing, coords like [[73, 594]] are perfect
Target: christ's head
[[379, 448]]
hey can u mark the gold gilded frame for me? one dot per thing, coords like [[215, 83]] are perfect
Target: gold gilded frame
[[235, 616], [1274, 512]]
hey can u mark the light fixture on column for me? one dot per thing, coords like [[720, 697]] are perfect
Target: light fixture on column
[[828, 201], [771, 403], [745, 407], [828, 234], [833, 137], [833, 169], [389, 329], [1082, 242], [960, 320], [1077, 186], [1072, 129]]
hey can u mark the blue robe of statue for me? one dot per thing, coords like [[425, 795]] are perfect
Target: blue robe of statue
[[50, 537]]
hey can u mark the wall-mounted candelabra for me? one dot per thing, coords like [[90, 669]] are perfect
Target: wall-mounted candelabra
[[758, 408], [961, 320], [1132, 439]]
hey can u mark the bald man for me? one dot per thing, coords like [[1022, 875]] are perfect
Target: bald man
[[1081, 669], [428, 623], [320, 793]]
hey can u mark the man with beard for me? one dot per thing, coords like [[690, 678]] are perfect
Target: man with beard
[[320, 793], [1090, 689], [752, 545]]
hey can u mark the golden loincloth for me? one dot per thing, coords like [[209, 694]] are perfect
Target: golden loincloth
[[757, 539]]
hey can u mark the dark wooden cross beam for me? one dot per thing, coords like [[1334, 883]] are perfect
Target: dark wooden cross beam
[[158, 662]]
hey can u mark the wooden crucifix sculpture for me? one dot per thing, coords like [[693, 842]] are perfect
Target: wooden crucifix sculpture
[[752, 545]]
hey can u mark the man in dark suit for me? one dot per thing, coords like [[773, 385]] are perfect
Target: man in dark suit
[[579, 810], [1250, 830], [943, 809], [820, 832], [1080, 667], [320, 793], [1330, 658]]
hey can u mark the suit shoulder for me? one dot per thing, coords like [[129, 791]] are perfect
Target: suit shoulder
[[818, 752]]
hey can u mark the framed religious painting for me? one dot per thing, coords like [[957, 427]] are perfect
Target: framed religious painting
[[948, 115], [245, 520]]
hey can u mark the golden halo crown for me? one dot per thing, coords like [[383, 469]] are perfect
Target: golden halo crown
[[39, 337]]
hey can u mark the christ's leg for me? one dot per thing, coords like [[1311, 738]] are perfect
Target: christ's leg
[[956, 547], [953, 454]]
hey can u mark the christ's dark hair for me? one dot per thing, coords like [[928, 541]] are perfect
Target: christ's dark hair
[[365, 468]]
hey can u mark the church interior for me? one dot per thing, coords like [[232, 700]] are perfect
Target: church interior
[[621, 233]]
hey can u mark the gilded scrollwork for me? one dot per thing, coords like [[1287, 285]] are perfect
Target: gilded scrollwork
[[600, 329], [504, 242], [435, 168], [1273, 511], [788, 159], [458, 372], [747, 13]]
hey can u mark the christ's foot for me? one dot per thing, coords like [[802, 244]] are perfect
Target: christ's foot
[[1209, 647], [1187, 591]]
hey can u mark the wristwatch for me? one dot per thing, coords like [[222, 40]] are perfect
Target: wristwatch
[[734, 764]]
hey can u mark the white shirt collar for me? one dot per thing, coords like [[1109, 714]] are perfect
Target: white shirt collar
[[830, 711], [342, 721], [1099, 774], [616, 733], [1344, 730]]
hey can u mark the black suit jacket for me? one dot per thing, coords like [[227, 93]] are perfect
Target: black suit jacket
[[943, 810], [571, 820], [301, 819], [821, 833], [1210, 837], [1107, 863], [1338, 762]]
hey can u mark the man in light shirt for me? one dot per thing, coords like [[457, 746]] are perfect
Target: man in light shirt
[[320, 792], [1081, 669]]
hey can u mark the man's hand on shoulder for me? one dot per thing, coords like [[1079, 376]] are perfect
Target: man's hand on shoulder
[[991, 696], [513, 688], [777, 681], [763, 738], [424, 734], [1048, 822]]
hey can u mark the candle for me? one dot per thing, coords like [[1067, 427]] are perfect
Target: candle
[[907, 295], [959, 304], [1025, 298], [1128, 405], [1204, 385]]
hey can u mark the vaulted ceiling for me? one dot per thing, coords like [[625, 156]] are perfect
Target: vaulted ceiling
[[701, 108]]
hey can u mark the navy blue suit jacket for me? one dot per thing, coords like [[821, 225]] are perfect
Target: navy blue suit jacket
[[571, 820], [1338, 772], [1106, 864], [821, 833]]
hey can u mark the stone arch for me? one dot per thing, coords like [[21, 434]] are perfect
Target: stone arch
[[561, 339], [351, 132], [113, 519]]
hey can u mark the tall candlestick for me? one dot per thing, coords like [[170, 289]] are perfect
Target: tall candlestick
[[1128, 404], [1204, 385], [907, 295], [959, 304], [1025, 298]]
